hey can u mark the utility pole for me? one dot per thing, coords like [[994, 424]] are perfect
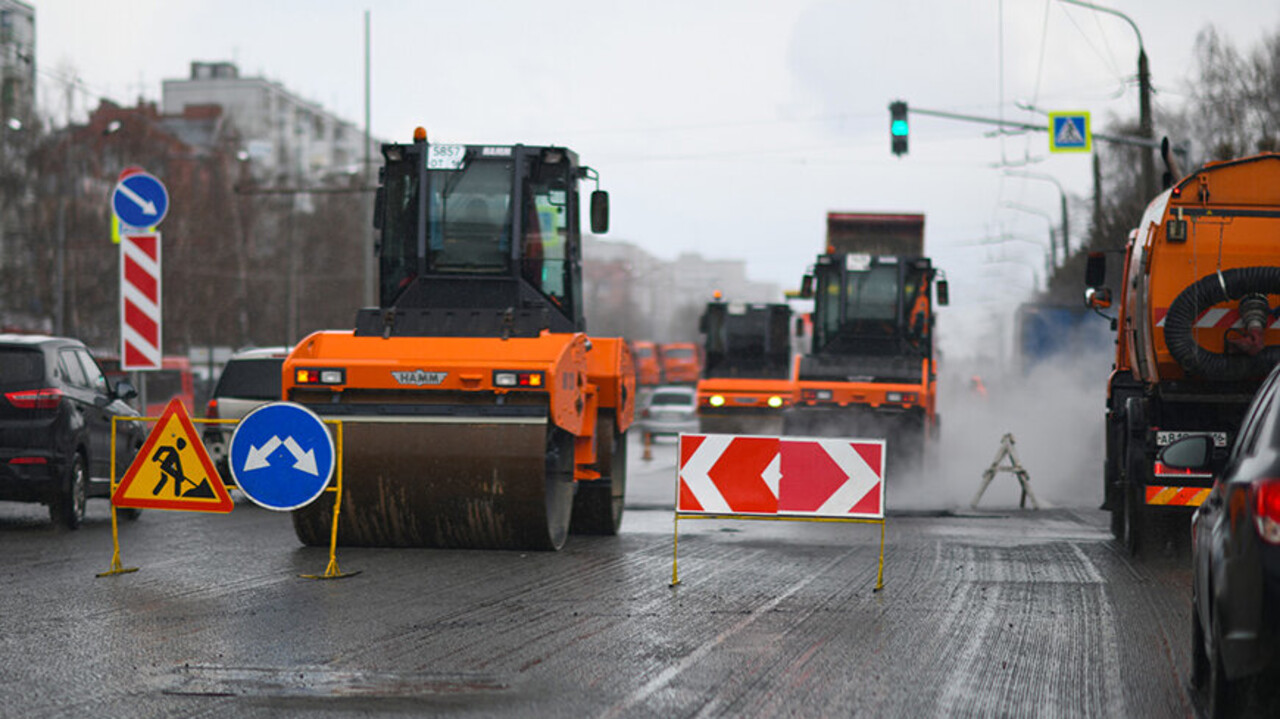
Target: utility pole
[[370, 299], [1145, 128]]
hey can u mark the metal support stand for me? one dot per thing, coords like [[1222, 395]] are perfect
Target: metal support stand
[[1015, 467], [332, 571]]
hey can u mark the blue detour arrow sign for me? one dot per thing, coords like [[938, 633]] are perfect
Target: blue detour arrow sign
[[281, 456], [140, 200]]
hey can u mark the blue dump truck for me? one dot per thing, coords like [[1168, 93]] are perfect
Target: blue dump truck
[[1049, 333]]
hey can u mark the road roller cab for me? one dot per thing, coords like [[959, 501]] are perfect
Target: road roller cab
[[476, 410]]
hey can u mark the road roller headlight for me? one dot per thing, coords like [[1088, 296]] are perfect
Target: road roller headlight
[[518, 378], [775, 401], [319, 375], [716, 400]]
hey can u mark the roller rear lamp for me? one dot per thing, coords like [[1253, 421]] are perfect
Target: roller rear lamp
[[518, 378], [815, 394], [319, 375], [901, 397]]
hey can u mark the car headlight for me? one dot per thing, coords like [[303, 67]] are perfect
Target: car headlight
[[716, 400], [775, 401]]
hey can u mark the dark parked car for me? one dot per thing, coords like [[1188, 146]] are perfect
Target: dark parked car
[[1235, 549], [55, 426]]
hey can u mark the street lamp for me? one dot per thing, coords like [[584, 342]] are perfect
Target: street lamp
[[1062, 195], [1051, 257], [1144, 96]]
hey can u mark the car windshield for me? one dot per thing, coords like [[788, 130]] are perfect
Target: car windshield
[[20, 366], [251, 379], [679, 353], [671, 398]]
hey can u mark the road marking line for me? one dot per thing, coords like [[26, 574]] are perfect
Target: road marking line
[[673, 671]]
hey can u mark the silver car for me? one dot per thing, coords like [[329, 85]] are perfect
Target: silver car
[[249, 379], [670, 410]]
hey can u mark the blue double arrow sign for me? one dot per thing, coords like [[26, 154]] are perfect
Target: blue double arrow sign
[[281, 456]]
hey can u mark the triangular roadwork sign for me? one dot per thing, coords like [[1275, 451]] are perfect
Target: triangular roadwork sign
[[173, 470]]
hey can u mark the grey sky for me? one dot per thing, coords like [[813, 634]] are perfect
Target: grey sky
[[729, 127]]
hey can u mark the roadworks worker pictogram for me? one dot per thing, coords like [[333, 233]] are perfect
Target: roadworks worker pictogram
[[170, 461], [173, 470]]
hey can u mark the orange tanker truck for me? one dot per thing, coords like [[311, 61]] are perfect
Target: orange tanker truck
[[746, 379], [871, 370], [1197, 333], [476, 410]]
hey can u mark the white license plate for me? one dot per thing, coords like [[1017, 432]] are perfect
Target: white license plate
[[1164, 439]]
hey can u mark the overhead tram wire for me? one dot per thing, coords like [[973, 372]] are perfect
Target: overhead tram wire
[[1107, 58]]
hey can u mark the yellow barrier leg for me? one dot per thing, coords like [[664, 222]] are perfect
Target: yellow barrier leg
[[116, 567], [675, 551], [880, 572], [332, 571]]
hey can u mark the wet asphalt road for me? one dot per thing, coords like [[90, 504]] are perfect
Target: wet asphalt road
[[999, 612]]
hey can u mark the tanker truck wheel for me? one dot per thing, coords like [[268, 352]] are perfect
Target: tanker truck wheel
[[598, 505], [1136, 466], [1133, 505]]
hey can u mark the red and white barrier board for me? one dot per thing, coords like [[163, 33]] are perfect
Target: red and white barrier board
[[808, 477], [140, 313]]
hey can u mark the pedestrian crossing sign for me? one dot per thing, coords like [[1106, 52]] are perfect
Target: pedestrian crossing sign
[[1069, 132], [173, 470]]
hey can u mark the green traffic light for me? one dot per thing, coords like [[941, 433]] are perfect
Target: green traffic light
[[898, 128]]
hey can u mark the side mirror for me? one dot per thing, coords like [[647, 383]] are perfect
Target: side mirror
[[599, 212], [379, 206], [125, 390], [1188, 453], [1095, 270], [1099, 298], [806, 287], [944, 293]]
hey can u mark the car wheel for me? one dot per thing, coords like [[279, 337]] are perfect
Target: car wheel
[[1226, 697], [1199, 657], [68, 508]]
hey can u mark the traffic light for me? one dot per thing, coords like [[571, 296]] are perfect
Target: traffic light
[[898, 126]]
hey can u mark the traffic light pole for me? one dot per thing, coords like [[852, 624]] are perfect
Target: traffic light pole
[[1115, 139]]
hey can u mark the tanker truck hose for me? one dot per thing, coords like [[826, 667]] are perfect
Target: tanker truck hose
[[1222, 286]]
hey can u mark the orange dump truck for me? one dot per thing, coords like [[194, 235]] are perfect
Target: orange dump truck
[[477, 412], [746, 379], [871, 370], [681, 362], [648, 368], [1197, 332]]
